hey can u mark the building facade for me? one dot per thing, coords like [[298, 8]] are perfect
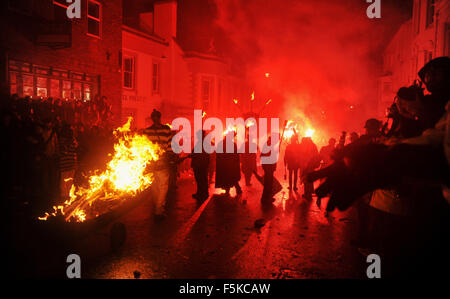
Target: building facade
[[159, 73], [46, 54], [135, 61], [424, 37]]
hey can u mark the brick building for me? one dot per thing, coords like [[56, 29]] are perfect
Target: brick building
[[130, 55], [424, 37], [46, 54]]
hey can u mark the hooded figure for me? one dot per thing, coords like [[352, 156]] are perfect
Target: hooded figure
[[228, 169]]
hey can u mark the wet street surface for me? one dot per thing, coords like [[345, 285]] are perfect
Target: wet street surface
[[227, 237]]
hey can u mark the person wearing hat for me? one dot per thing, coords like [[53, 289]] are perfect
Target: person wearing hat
[[373, 132], [161, 135]]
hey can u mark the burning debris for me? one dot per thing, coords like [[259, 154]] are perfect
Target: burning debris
[[127, 174]]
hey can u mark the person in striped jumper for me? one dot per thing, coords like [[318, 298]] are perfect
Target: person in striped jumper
[[161, 135]]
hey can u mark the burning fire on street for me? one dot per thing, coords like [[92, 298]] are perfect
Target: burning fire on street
[[126, 174]]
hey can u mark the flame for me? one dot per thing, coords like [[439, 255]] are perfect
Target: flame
[[204, 114], [236, 101], [310, 133], [230, 129], [253, 96], [269, 101], [250, 123], [126, 175], [267, 75], [290, 130]]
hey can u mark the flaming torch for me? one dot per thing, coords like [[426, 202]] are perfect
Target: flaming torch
[[126, 174], [290, 129], [310, 133]]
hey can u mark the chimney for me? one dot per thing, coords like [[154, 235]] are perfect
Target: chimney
[[146, 22], [165, 19]]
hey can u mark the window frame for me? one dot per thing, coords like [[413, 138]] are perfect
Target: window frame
[[156, 90], [211, 82], [99, 19], [133, 71]]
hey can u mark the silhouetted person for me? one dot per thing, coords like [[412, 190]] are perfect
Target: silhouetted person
[[309, 160], [228, 169], [354, 137], [373, 132], [248, 163], [291, 160], [269, 169], [200, 166], [326, 151]]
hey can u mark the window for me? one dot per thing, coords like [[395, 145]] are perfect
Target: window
[[430, 12], [13, 82], [41, 87], [87, 92], [417, 8], [94, 15], [67, 90], [76, 90], [28, 86], [128, 72], [55, 90], [155, 77], [206, 91], [24, 6], [42, 81]]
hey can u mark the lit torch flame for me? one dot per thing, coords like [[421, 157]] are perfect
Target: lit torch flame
[[253, 96], [290, 130], [236, 101], [310, 133], [126, 175]]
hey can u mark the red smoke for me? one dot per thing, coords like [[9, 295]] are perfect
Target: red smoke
[[323, 56]]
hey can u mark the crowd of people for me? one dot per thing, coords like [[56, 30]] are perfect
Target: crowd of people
[[396, 176], [49, 143]]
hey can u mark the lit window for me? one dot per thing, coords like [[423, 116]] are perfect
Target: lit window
[[28, 85], [87, 92], [76, 90], [41, 87], [55, 90], [128, 72], [67, 90], [155, 78], [13, 82], [94, 18]]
